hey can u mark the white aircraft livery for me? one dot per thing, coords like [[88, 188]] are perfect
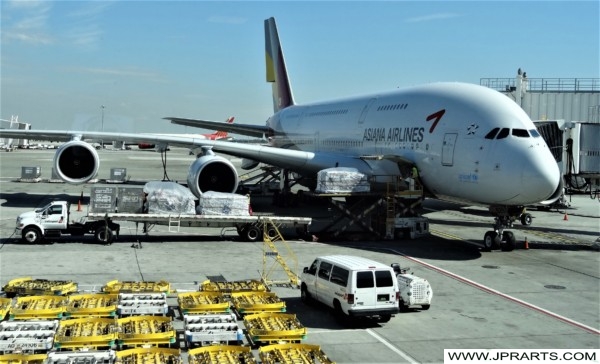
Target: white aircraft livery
[[469, 144]]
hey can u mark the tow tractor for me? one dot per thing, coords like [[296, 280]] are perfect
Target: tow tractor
[[413, 290]]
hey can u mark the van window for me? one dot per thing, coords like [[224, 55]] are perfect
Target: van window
[[339, 276], [313, 267], [383, 278], [324, 270], [364, 279]]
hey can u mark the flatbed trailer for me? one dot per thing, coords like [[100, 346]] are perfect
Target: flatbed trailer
[[86, 333], [27, 336], [92, 305], [81, 357], [117, 286], [38, 308], [271, 328], [150, 303], [256, 302], [202, 302], [150, 355], [223, 354], [293, 354], [135, 331], [27, 286]]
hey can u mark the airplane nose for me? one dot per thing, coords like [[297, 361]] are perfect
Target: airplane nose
[[540, 178]]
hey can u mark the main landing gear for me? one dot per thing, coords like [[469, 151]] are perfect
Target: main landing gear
[[499, 238]]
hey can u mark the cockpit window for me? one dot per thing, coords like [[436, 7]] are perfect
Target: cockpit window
[[522, 133], [492, 133], [534, 133], [503, 133]]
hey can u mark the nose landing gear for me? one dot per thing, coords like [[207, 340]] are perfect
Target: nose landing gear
[[499, 238]]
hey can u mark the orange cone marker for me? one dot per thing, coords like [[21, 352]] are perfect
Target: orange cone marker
[[526, 243], [566, 218]]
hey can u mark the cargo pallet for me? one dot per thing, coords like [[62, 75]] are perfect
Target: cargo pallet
[[28, 286], [145, 330], [86, 333], [202, 302], [254, 302], [136, 287], [226, 288], [27, 336], [142, 304], [38, 308], [271, 328], [92, 305], [223, 354], [212, 328], [293, 354], [149, 356]]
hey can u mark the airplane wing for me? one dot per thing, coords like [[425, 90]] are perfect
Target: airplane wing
[[249, 130]]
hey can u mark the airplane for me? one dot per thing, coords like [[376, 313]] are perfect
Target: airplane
[[217, 135], [470, 144]]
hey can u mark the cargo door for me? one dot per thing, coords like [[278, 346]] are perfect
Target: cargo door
[[385, 289], [54, 218], [365, 295]]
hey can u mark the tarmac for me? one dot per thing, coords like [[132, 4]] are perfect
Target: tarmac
[[544, 297]]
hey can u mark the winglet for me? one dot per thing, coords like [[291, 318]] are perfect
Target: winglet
[[276, 70]]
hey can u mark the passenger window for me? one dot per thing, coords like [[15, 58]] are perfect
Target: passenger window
[[313, 267], [383, 278], [503, 133], [55, 210], [521, 133], [492, 133], [534, 133], [339, 276], [324, 270], [364, 280]]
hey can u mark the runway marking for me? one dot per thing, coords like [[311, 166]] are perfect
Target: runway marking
[[406, 357], [503, 295]]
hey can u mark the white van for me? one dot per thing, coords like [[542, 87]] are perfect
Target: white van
[[352, 286]]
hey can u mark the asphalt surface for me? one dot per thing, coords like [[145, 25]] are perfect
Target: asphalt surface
[[544, 297]]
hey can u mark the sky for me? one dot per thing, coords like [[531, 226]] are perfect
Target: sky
[[125, 65]]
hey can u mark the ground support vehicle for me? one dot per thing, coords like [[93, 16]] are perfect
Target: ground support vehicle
[[221, 354], [86, 333], [92, 305], [210, 329], [292, 354], [142, 304], [202, 302], [413, 290], [136, 331], [38, 308], [136, 287], [81, 357], [271, 328], [151, 355], [28, 286], [255, 302], [226, 288], [53, 221], [27, 336]]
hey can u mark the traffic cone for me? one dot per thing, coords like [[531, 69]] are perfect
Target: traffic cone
[[526, 243], [566, 218], [79, 202]]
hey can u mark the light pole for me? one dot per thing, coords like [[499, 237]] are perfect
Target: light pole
[[102, 110]]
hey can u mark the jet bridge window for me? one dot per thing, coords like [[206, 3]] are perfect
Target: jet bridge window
[[492, 133], [521, 133], [503, 133]]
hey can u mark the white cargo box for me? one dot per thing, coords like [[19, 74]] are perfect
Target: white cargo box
[[341, 180], [212, 328], [142, 304], [27, 336]]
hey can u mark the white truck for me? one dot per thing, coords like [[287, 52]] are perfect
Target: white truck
[[414, 290], [53, 221]]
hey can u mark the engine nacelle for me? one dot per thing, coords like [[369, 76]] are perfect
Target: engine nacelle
[[212, 173], [76, 162]]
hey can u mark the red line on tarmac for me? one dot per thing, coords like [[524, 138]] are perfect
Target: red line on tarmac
[[498, 293]]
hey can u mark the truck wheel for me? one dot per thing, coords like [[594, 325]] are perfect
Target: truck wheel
[[384, 318], [32, 235], [103, 235], [253, 233], [304, 295]]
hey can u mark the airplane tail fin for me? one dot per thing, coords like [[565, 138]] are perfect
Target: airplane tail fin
[[276, 70], [223, 134]]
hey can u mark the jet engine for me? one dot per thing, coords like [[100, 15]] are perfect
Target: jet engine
[[76, 162], [211, 172]]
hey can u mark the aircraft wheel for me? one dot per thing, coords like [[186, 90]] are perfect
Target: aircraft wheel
[[526, 219], [489, 240], [509, 241]]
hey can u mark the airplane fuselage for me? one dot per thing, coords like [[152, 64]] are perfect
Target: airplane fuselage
[[440, 128]]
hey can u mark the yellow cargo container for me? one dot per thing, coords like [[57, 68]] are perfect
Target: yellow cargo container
[[38, 307], [202, 302], [221, 354]]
